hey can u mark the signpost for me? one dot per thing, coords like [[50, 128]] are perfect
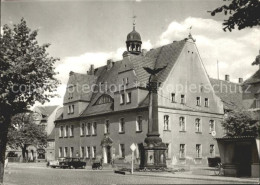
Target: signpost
[[133, 148]]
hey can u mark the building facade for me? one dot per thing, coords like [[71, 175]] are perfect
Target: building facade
[[106, 109]]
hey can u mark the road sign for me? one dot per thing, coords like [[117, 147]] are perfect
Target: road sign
[[133, 147]]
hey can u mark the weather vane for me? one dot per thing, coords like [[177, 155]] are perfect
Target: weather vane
[[190, 36]]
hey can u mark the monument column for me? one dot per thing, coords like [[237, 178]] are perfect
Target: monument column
[[154, 148]]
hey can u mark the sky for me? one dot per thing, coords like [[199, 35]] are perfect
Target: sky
[[87, 32]]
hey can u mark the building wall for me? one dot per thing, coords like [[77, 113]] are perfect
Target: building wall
[[174, 136], [130, 136]]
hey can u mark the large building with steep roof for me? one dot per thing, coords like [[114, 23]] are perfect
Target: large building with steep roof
[[106, 109]]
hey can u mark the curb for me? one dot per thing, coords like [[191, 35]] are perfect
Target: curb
[[199, 178]]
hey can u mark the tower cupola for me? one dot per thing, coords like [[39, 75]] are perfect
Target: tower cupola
[[134, 42]]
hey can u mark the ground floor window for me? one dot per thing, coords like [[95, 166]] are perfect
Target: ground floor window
[[60, 151], [94, 152], [82, 152], [65, 151], [212, 150], [182, 151], [87, 152], [122, 150], [198, 151], [71, 151]]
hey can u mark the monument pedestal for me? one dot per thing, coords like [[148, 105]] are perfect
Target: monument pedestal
[[154, 153]]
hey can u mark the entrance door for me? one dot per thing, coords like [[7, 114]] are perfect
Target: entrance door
[[244, 159], [108, 154]]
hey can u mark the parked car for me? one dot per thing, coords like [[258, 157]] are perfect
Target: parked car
[[68, 163]]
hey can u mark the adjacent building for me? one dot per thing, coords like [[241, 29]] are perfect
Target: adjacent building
[[105, 110]]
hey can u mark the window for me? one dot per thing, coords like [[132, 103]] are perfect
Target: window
[[66, 131], [60, 151], [82, 128], [94, 128], [72, 109], [173, 97], [182, 124], [106, 131], [65, 152], [122, 150], [182, 151], [71, 130], [122, 125], [211, 125], [69, 109], [212, 150], [167, 152], [138, 149], [88, 152], [94, 151], [257, 103], [197, 125], [71, 151], [104, 99], [122, 99], [126, 81], [182, 99], [82, 152], [128, 98], [88, 129], [70, 95], [139, 124], [61, 131], [206, 102], [198, 151], [198, 101], [166, 122]]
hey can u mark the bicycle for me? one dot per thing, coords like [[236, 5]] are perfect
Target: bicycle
[[219, 169]]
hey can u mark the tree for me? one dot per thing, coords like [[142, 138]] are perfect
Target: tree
[[240, 123], [243, 13], [26, 76], [24, 132]]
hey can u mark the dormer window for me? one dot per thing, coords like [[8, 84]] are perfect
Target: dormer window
[[71, 109], [122, 99], [126, 81], [104, 99], [128, 97]]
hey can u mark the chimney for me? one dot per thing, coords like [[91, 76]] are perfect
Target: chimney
[[144, 51], [126, 54], [91, 70], [71, 73], [240, 80], [227, 78], [110, 64]]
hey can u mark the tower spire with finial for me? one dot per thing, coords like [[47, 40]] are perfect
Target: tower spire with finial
[[134, 17]]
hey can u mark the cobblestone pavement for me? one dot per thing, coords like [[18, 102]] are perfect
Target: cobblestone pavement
[[22, 174]]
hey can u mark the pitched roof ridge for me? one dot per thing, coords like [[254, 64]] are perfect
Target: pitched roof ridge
[[235, 83]]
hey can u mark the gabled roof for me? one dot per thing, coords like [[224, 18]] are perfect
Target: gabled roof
[[230, 93], [253, 79], [155, 58], [47, 110]]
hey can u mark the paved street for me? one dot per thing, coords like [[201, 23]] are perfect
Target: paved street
[[26, 175]]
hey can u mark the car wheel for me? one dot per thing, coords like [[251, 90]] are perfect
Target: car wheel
[[100, 167], [83, 167], [71, 167]]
